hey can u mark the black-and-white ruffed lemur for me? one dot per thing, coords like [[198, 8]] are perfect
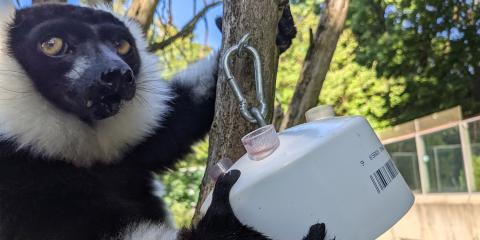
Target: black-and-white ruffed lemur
[[85, 119]]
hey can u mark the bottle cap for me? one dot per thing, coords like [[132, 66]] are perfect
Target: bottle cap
[[261, 142], [320, 112]]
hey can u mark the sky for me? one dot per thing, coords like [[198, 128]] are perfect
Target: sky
[[182, 11]]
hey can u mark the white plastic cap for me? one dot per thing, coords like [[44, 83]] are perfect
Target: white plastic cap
[[261, 142], [320, 112]]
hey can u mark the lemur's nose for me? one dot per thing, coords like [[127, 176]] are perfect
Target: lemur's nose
[[119, 81]]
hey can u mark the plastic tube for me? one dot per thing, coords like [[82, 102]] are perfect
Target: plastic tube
[[261, 142]]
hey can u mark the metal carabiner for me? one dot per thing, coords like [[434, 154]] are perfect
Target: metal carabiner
[[253, 114]]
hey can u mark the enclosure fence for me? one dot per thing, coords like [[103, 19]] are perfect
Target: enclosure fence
[[438, 153]]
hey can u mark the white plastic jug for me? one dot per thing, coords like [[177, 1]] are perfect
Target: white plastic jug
[[333, 171]]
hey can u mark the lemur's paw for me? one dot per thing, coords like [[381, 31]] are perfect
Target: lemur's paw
[[220, 222], [220, 208], [317, 232], [286, 29], [223, 186]]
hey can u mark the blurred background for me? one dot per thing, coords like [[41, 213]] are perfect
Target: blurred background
[[411, 67]]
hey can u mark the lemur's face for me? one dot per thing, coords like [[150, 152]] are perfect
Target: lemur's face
[[77, 84], [81, 60]]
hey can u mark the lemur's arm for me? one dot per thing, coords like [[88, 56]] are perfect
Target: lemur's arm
[[192, 107], [188, 120]]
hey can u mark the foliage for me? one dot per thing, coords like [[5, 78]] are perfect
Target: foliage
[[178, 55], [431, 45], [182, 184], [354, 89], [476, 171], [397, 60], [290, 64]]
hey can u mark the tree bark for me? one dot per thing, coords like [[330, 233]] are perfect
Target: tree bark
[[143, 11], [260, 19], [48, 1], [317, 62]]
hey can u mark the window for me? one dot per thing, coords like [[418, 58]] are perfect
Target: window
[[404, 154], [443, 161], [474, 134]]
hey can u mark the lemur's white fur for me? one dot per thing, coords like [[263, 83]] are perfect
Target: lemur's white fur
[[33, 123], [79, 67], [203, 83], [149, 231]]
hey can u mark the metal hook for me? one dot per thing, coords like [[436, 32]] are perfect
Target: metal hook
[[254, 114], [242, 45]]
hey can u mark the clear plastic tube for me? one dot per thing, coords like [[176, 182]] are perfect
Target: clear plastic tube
[[220, 168], [261, 142]]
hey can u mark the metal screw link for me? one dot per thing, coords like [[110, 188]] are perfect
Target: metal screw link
[[253, 114]]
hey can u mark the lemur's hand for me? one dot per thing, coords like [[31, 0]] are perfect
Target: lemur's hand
[[286, 30], [221, 223]]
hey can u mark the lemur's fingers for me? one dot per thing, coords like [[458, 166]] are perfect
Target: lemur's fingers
[[317, 232], [220, 211], [221, 192], [286, 30]]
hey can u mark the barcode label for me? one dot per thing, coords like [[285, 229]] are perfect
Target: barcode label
[[384, 176]]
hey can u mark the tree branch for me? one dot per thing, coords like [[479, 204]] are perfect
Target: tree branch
[[185, 31], [317, 61], [142, 11]]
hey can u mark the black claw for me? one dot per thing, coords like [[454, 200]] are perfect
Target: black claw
[[317, 232]]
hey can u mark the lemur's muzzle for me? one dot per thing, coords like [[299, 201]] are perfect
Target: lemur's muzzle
[[103, 82], [109, 90]]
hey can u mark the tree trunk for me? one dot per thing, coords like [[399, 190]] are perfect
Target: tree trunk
[[48, 1], [143, 11], [317, 62], [260, 19]]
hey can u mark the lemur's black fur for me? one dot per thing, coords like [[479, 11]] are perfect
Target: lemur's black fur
[[46, 196]]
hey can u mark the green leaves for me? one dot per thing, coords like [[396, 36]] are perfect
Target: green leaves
[[182, 185], [432, 46]]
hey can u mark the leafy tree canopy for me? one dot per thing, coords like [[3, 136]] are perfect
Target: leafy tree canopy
[[433, 46]]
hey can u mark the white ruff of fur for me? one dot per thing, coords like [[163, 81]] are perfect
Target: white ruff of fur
[[34, 124], [149, 231]]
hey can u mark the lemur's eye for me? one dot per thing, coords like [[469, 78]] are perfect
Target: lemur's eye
[[53, 47], [123, 47]]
